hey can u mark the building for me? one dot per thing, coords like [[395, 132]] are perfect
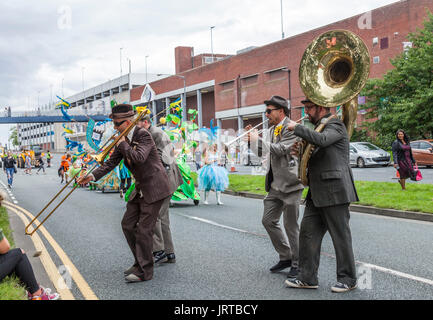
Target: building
[[93, 101], [232, 89]]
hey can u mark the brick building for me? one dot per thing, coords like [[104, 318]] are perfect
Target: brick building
[[231, 89]]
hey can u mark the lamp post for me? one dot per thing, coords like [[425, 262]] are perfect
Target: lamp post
[[121, 61], [282, 30], [211, 42], [82, 83], [145, 62]]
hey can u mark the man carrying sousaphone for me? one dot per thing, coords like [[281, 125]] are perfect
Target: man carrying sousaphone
[[328, 199], [282, 184], [152, 188]]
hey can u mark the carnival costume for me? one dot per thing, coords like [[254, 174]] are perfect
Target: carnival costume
[[212, 176]]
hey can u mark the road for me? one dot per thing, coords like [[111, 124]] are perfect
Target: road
[[377, 173], [223, 252]]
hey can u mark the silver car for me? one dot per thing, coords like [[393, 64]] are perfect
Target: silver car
[[249, 158], [364, 154]]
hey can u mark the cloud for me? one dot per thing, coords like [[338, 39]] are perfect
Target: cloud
[[43, 42]]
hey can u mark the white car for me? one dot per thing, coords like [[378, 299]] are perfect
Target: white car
[[364, 154]]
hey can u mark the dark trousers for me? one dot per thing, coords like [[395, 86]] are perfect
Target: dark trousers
[[315, 223], [137, 225], [16, 262], [122, 184]]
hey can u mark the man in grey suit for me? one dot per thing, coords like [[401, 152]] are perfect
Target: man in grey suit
[[163, 248], [327, 202], [282, 184]]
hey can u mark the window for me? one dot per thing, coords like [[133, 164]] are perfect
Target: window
[[249, 80], [367, 146], [376, 60], [425, 145], [375, 41], [384, 43], [414, 145], [227, 85], [208, 60]]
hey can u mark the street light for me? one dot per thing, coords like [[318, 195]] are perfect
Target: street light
[[121, 61], [145, 61], [282, 30], [211, 42], [82, 81]]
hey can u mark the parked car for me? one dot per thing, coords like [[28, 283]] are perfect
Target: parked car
[[364, 154], [249, 158], [422, 151]]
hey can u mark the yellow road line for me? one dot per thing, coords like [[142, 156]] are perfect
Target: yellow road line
[[85, 289], [46, 260]]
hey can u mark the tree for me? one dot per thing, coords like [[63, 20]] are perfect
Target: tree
[[13, 136], [403, 99]]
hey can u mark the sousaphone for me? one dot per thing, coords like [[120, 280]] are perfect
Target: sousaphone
[[333, 70]]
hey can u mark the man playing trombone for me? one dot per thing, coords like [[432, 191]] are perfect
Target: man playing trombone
[[282, 184], [152, 188]]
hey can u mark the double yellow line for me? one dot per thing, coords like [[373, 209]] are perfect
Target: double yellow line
[[47, 262]]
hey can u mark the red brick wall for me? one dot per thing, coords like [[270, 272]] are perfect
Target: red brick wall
[[402, 17], [183, 58]]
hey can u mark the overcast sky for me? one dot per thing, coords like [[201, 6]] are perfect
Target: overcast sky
[[45, 41]]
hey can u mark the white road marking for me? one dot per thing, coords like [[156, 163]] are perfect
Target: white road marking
[[366, 265], [11, 195]]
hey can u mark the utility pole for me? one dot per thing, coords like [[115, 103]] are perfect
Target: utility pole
[[121, 61], [211, 42], [145, 61], [282, 29]]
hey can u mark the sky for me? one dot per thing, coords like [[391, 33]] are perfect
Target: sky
[[49, 46]]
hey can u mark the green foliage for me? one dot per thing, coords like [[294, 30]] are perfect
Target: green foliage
[[13, 136], [403, 99], [416, 197]]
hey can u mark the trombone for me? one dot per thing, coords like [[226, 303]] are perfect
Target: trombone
[[100, 158], [259, 132]]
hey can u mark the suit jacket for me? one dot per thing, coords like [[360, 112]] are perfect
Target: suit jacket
[[142, 159], [166, 154], [329, 173], [282, 168]]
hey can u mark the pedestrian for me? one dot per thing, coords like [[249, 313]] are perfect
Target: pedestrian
[[152, 188], [403, 158], [331, 190], [28, 163], [163, 248], [41, 165], [9, 166], [197, 158], [15, 262], [282, 184], [49, 159], [212, 175], [64, 167]]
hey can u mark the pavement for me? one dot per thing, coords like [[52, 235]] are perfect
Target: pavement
[[223, 252]]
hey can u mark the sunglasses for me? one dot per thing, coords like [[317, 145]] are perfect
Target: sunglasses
[[118, 124], [268, 111]]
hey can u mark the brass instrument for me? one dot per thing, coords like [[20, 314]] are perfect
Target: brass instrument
[[100, 158], [333, 70]]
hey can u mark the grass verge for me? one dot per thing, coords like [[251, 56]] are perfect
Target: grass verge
[[10, 288], [417, 197]]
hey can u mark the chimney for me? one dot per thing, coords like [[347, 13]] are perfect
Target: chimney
[[183, 58]]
